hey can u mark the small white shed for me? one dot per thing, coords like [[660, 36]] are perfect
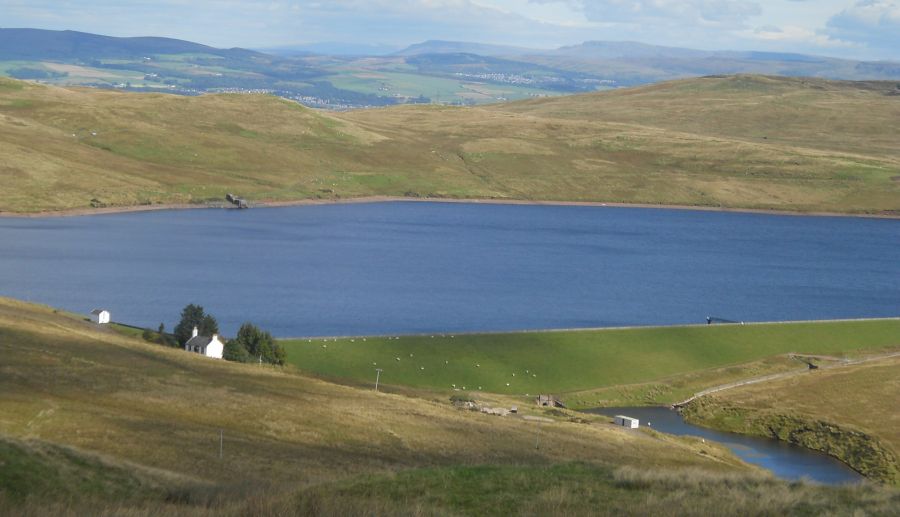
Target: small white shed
[[626, 421], [100, 316]]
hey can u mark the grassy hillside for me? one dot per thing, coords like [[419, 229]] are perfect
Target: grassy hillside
[[573, 361], [96, 422], [748, 142], [815, 411], [74, 398]]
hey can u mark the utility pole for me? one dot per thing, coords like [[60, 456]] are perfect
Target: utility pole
[[221, 442], [377, 377]]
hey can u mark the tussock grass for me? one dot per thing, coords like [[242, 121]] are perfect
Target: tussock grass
[[746, 142], [69, 383], [100, 423]]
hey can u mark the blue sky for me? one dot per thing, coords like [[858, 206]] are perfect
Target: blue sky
[[866, 29]]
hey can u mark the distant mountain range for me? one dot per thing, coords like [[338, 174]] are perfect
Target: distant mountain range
[[337, 75], [331, 48], [37, 44]]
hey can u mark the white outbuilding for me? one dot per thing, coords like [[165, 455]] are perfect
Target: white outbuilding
[[100, 316], [626, 421], [210, 346]]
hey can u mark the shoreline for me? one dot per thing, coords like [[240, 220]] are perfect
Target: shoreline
[[78, 212], [445, 333]]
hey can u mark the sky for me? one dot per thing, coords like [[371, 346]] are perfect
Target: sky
[[860, 29]]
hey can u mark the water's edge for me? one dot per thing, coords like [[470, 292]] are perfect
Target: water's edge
[[859, 451], [785, 459], [77, 212]]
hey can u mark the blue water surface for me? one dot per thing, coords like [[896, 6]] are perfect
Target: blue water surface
[[785, 460], [401, 267]]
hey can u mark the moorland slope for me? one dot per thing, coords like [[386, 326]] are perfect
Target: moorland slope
[[735, 142], [93, 422]]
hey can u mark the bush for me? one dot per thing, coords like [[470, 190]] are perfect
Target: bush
[[257, 345]]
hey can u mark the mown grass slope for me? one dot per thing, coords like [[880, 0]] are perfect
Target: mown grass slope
[[745, 142], [571, 361]]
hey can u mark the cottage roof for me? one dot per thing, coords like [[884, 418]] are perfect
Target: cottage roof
[[98, 311], [199, 341]]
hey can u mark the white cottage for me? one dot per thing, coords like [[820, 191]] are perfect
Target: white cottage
[[210, 346], [100, 316]]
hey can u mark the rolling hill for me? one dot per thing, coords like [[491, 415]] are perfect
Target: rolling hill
[[339, 76], [38, 44], [734, 141], [96, 422]]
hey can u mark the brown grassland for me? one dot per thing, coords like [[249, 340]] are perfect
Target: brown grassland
[[748, 142], [97, 422]]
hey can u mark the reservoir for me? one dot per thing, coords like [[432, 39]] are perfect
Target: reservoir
[[785, 460], [404, 267]]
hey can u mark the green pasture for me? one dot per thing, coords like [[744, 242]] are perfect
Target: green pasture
[[436, 88], [568, 361]]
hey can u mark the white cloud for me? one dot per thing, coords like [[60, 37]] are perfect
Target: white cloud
[[875, 23], [797, 35], [872, 26], [702, 12]]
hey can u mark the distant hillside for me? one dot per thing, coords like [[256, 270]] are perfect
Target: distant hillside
[[463, 47], [37, 44], [627, 50], [633, 63], [331, 49], [349, 76], [731, 141]]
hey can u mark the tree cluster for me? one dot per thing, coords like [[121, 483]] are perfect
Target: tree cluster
[[253, 344], [193, 316]]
